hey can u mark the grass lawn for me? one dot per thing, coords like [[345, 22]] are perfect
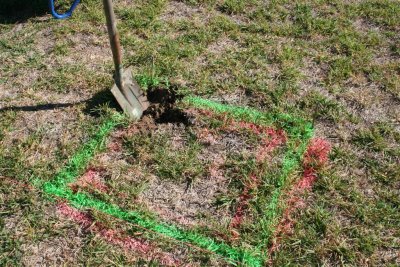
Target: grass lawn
[[80, 185]]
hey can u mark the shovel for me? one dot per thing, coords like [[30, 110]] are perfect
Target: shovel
[[126, 90]]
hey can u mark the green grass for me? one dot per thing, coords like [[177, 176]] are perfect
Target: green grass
[[298, 132], [166, 162], [334, 63]]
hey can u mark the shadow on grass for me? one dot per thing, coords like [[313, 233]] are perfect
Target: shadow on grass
[[92, 104], [13, 11]]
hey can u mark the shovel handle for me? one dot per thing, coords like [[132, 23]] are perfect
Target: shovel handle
[[114, 39]]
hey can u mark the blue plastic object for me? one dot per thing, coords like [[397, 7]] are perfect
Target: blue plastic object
[[66, 14]]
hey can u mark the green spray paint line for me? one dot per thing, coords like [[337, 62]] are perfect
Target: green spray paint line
[[79, 162], [295, 127], [291, 162], [82, 200]]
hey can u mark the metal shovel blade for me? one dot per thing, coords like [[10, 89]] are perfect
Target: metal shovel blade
[[130, 97]]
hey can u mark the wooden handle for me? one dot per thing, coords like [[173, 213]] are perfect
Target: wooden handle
[[114, 39]]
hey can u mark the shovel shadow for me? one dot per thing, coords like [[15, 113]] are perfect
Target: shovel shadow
[[92, 104]]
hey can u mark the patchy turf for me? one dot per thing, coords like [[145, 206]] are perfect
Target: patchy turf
[[228, 241], [332, 63]]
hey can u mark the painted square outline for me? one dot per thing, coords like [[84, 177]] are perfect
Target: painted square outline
[[298, 131]]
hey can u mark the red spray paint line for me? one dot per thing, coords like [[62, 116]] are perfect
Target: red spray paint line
[[90, 180], [317, 153], [314, 159], [277, 138], [244, 199], [271, 140], [114, 237]]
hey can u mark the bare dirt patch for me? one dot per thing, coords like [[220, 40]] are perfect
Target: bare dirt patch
[[177, 10], [52, 251]]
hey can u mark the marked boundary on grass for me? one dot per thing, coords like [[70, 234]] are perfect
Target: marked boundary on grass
[[296, 128], [299, 132], [314, 159]]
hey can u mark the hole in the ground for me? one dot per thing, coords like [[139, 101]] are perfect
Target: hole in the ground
[[173, 115], [163, 96], [163, 108]]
